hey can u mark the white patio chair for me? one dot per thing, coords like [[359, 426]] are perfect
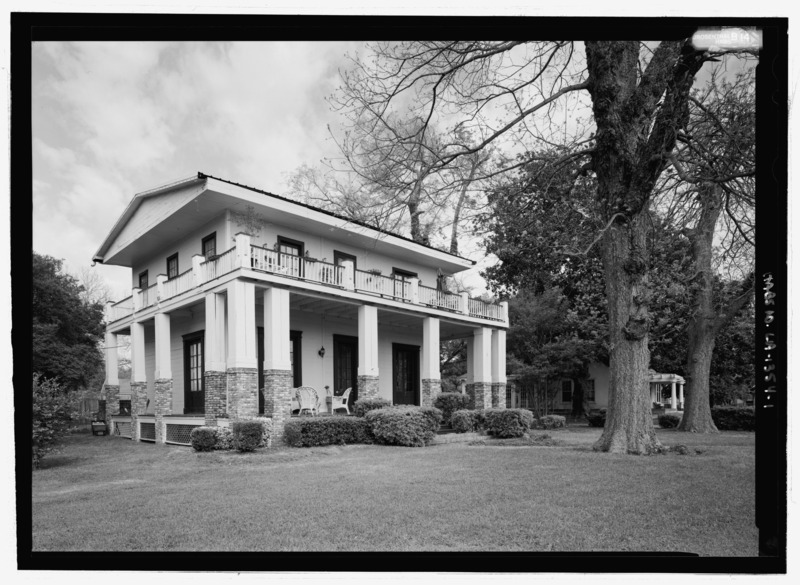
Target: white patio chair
[[341, 401], [308, 399]]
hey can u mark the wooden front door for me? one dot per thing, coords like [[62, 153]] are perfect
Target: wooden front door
[[345, 367], [405, 374], [194, 389]]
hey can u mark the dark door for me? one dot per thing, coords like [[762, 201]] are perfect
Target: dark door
[[345, 367], [405, 374], [194, 391]]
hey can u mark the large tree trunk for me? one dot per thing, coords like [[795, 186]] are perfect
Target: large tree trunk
[[629, 423], [703, 321]]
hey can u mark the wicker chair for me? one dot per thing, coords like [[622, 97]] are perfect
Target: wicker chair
[[341, 401], [308, 399]]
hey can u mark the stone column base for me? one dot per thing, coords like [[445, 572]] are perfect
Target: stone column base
[[431, 388], [111, 392], [498, 395], [242, 393], [138, 406], [163, 407], [367, 386], [216, 385], [278, 400], [480, 395]]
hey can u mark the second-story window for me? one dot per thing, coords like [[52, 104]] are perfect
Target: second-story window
[[291, 251], [172, 266], [340, 257], [402, 277], [143, 280], [210, 246]]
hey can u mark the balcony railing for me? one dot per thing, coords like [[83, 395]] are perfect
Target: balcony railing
[[297, 267], [178, 285], [439, 298]]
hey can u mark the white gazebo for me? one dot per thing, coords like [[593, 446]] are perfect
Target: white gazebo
[[658, 381]]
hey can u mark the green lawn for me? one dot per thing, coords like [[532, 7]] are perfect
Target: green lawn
[[109, 494]]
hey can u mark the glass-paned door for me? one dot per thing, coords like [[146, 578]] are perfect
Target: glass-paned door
[[193, 379]]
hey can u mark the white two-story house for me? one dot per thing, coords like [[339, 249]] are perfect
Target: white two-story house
[[240, 296]]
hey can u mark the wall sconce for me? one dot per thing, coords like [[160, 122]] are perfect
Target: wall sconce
[[321, 352]]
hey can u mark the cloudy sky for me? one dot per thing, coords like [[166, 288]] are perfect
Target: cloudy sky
[[114, 119]]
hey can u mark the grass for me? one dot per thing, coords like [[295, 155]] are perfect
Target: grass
[[109, 494]]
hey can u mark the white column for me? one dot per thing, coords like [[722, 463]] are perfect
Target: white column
[[680, 395], [160, 280], [470, 378], [138, 372], [242, 250], [163, 362], [215, 333], [672, 399], [276, 329], [499, 356], [367, 340], [242, 351], [112, 360], [136, 298], [504, 307], [465, 303], [482, 358], [414, 290], [430, 349]]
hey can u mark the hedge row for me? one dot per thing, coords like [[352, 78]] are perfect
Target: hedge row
[[669, 420], [242, 435], [450, 402], [500, 422], [734, 418], [411, 426], [327, 430], [363, 405]]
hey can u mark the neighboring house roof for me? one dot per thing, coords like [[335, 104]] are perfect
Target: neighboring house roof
[[192, 187]]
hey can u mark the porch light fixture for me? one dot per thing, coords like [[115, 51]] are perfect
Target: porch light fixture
[[321, 352]]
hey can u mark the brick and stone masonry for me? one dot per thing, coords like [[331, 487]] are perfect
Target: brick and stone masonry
[[480, 395], [430, 390], [498, 395], [163, 407], [278, 400], [216, 384], [242, 393], [138, 406], [368, 386], [111, 392]]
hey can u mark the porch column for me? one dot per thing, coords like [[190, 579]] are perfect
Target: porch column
[[672, 398], [163, 375], [214, 377], [111, 385], [138, 378], [367, 351], [242, 371], [481, 395], [431, 377], [278, 378], [680, 395], [499, 380], [469, 378]]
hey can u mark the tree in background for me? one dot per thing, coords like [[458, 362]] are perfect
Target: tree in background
[[67, 330], [54, 410]]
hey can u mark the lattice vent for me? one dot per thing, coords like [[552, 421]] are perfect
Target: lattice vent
[[147, 431], [180, 433], [122, 429]]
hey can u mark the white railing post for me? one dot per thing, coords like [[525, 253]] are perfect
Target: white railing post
[[504, 311], [197, 272], [137, 298], [348, 279], [465, 303], [108, 311], [413, 287], [243, 250], [160, 280]]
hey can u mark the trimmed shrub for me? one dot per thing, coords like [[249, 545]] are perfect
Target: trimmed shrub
[[669, 420], [203, 438], [463, 421], [597, 418], [734, 418], [266, 432], [223, 438], [448, 403], [247, 435], [552, 421], [363, 405], [508, 422], [327, 430], [412, 426]]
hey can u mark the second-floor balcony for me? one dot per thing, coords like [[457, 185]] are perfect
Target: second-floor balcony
[[344, 277]]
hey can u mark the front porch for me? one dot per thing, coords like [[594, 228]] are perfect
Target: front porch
[[242, 349]]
